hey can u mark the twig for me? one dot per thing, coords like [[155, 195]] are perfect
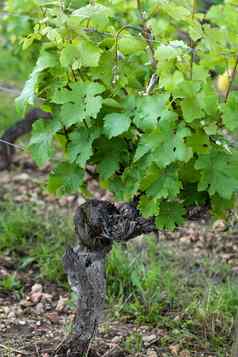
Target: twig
[[152, 83], [109, 352], [13, 145], [147, 34], [6, 348], [233, 74], [115, 67], [13, 91]]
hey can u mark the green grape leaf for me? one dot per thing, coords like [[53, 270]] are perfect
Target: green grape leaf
[[199, 142], [130, 45], [108, 166], [173, 50], [41, 141], [165, 143], [92, 10], [104, 70], [167, 185], [89, 54], [93, 105], [68, 55], [208, 99], [115, 124], [166, 52], [148, 207], [27, 96], [191, 109], [195, 30], [95, 14], [191, 197], [131, 179], [211, 128], [171, 81], [230, 112], [80, 147], [220, 206], [112, 103], [129, 183], [72, 113], [148, 110], [62, 96], [117, 187], [218, 172], [85, 53], [66, 178], [77, 91], [79, 103], [187, 89], [109, 155], [200, 73], [171, 214], [149, 142], [177, 12]]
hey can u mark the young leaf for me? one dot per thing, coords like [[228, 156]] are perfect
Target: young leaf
[[65, 179], [148, 207], [115, 124], [219, 173], [27, 96], [171, 214], [80, 147], [230, 112], [41, 141], [148, 110], [89, 54], [191, 109], [166, 186], [80, 102]]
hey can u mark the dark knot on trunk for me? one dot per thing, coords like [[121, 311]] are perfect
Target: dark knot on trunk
[[99, 223]]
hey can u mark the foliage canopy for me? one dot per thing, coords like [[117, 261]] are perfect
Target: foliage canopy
[[129, 85]]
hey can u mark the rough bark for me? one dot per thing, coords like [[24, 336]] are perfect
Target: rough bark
[[97, 225], [86, 275], [13, 133]]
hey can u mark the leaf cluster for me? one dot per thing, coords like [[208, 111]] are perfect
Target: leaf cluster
[[130, 88]]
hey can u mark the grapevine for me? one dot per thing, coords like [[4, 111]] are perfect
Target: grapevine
[[130, 90]]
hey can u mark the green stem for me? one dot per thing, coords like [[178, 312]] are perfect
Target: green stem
[[192, 44], [147, 35], [232, 78], [115, 69], [194, 6]]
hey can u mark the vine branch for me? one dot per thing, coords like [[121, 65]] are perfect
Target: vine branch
[[115, 68], [148, 36]]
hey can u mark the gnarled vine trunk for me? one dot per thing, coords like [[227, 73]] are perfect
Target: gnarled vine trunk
[[97, 225]]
